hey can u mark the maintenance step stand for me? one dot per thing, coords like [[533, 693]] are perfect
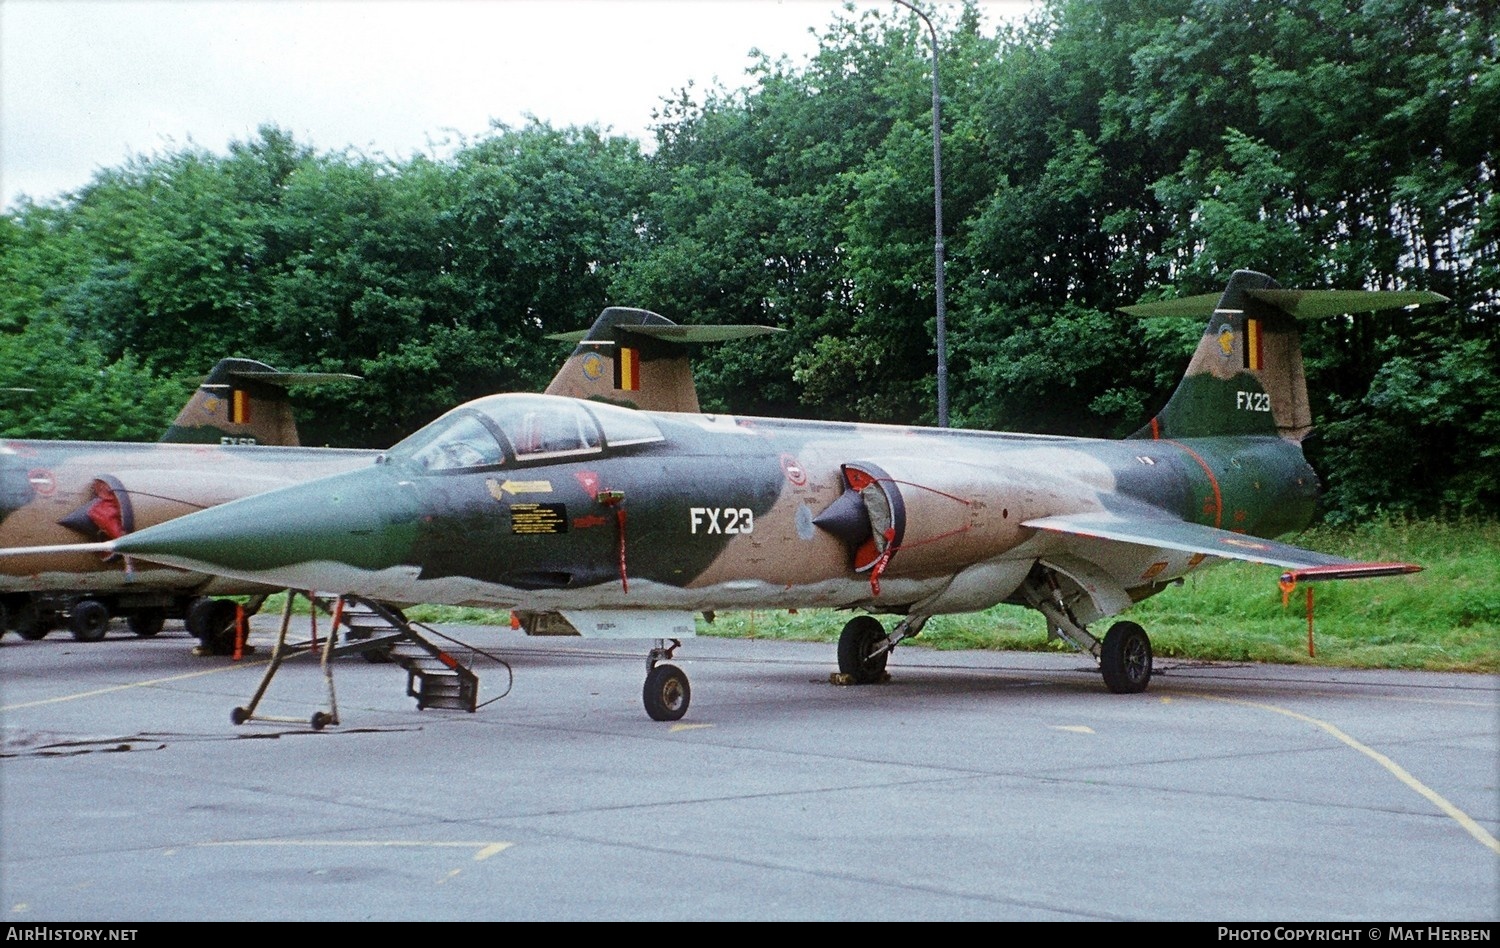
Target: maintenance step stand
[[379, 633]]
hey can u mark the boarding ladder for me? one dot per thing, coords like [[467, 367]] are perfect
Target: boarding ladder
[[435, 677]]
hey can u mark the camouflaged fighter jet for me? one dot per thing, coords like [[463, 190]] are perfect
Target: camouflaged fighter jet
[[588, 517], [235, 436]]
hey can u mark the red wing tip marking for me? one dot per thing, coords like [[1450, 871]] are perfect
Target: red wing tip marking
[[1312, 574]]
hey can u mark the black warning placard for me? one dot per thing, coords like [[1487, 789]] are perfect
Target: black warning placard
[[538, 518]]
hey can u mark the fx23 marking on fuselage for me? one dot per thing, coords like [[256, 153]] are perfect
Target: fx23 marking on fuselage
[[911, 522]]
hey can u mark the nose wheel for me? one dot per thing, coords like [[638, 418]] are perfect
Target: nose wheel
[[666, 693]]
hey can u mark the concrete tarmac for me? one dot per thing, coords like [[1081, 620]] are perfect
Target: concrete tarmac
[[972, 786]]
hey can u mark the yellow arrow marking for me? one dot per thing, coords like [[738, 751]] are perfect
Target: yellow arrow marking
[[1463, 819], [486, 850]]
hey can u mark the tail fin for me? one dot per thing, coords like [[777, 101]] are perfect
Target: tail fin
[[1246, 377], [243, 402], [636, 358]]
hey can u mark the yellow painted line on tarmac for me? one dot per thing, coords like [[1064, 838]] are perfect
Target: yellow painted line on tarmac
[[138, 684], [1459, 816], [1074, 728], [687, 727], [484, 850]]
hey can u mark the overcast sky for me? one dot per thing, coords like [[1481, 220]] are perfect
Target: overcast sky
[[85, 84]]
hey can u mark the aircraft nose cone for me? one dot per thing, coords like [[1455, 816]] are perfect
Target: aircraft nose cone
[[364, 519]]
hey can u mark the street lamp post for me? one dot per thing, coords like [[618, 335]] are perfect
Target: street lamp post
[[937, 216]]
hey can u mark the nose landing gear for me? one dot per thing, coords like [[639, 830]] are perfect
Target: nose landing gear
[[666, 693]]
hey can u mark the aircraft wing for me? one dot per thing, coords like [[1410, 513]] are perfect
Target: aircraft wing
[[1144, 530]]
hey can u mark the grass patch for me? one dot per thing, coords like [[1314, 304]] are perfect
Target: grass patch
[[1445, 618]]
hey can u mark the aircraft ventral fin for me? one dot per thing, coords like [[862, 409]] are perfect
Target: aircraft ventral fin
[[1301, 564]]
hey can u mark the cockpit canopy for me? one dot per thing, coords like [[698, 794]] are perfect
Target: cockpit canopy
[[501, 430]]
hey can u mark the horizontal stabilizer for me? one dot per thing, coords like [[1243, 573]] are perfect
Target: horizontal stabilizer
[[242, 401], [1171, 534], [1304, 304], [294, 378], [680, 334], [638, 359]]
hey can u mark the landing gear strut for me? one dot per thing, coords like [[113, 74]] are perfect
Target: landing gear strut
[[1125, 654], [666, 692]]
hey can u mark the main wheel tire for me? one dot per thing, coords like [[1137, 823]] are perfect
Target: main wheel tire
[[31, 624], [1125, 659], [197, 615], [666, 693], [862, 635], [212, 621], [88, 620], [146, 622]]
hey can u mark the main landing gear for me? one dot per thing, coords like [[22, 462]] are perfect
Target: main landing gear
[[215, 623], [864, 648], [666, 692], [1125, 659], [1125, 653]]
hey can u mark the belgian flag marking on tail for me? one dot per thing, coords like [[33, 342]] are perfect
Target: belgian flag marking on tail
[[628, 369], [1254, 356], [239, 407]]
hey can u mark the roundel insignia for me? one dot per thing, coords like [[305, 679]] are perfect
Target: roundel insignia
[[1226, 340], [42, 481], [793, 470], [593, 366]]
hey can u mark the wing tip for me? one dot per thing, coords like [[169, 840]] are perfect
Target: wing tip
[[1312, 574]]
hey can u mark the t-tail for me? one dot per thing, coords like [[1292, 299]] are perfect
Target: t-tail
[[244, 402], [1246, 375], [639, 359]]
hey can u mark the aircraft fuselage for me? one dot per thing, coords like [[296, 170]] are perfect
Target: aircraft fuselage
[[719, 512]]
